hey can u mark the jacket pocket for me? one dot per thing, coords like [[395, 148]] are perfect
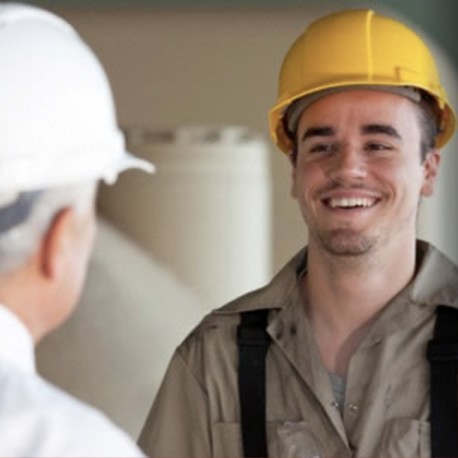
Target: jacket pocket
[[403, 437], [293, 439]]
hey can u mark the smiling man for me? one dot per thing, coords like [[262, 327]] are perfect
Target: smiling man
[[359, 174], [333, 358]]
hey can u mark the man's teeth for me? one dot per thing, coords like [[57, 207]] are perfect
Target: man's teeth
[[351, 202]]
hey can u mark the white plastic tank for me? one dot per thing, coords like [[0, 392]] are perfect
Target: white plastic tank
[[206, 214]]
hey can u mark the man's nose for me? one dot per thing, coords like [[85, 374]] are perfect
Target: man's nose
[[348, 165]]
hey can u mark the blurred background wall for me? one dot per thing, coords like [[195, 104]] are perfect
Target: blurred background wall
[[173, 66]]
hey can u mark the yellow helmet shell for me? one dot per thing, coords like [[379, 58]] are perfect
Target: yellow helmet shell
[[357, 47]]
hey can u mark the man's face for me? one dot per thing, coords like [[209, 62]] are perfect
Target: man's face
[[359, 177]]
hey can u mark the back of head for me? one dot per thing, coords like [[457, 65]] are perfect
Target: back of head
[[58, 124], [357, 48], [57, 117]]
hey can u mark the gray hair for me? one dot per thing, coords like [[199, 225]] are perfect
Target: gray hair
[[29, 215]]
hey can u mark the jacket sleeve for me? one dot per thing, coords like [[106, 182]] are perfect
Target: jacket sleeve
[[178, 423]]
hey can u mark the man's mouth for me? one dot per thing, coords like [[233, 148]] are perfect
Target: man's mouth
[[350, 202]]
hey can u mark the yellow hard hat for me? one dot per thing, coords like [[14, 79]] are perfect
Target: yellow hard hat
[[357, 48]]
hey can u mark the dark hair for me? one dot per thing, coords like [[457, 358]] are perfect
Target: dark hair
[[428, 116]]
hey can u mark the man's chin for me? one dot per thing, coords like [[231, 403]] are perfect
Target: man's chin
[[347, 243]]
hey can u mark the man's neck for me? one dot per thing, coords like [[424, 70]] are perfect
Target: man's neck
[[27, 303], [345, 294]]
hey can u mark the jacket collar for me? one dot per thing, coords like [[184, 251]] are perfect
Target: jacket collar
[[436, 282]]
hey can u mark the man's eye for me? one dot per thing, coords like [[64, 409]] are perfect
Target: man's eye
[[323, 148], [376, 146]]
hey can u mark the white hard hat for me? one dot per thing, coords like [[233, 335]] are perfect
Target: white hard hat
[[57, 117]]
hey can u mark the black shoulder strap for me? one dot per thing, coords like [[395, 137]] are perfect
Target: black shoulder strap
[[443, 358], [253, 342], [442, 352]]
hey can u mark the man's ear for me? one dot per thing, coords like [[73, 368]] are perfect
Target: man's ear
[[430, 171], [56, 243], [293, 191]]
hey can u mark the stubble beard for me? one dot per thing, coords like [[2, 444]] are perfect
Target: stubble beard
[[346, 242]]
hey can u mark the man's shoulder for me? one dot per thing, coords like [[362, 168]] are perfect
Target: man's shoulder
[[271, 296], [221, 322], [436, 281]]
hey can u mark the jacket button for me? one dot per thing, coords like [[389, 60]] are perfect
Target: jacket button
[[353, 407]]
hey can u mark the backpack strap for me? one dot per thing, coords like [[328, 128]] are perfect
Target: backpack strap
[[442, 353], [253, 342]]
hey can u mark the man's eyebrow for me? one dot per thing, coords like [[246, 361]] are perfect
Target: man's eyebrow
[[381, 129], [319, 131]]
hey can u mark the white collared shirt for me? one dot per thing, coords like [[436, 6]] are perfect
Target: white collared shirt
[[39, 420]]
